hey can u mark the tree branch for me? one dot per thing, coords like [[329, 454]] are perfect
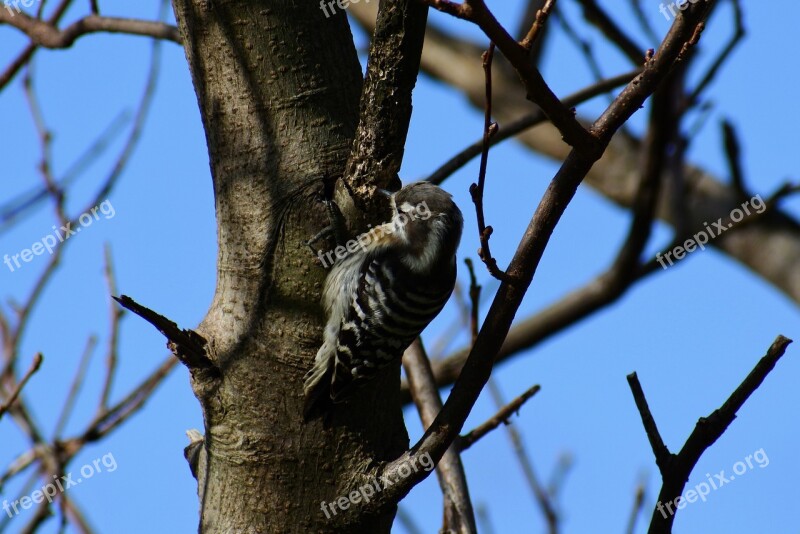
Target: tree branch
[[476, 190], [683, 34], [594, 14], [187, 345], [451, 60], [501, 417], [517, 126], [46, 34], [459, 516], [626, 268], [536, 88], [660, 451], [385, 109], [675, 471], [37, 362]]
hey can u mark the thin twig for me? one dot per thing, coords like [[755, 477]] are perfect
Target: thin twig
[[636, 509], [501, 417], [27, 53], [142, 112], [733, 155], [75, 387], [595, 15], [537, 90], [675, 472], [538, 24], [113, 340], [477, 190], [660, 451], [528, 121], [641, 18], [559, 474], [543, 499], [47, 35], [459, 516], [37, 362], [405, 519], [726, 52], [104, 423], [187, 345], [474, 299], [26, 202]]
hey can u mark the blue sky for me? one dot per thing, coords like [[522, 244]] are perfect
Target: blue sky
[[692, 332]]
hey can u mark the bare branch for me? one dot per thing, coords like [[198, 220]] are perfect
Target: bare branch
[[75, 387], [25, 56], [451, 60], [594, 14], [75, 514], [682, 36], [625, 270], [663, 456], [537, 89], [538, 25], [529, 121], [676, 469], [501, 417], [638, 506], [476, 190], [46, 34], [385, 109], [738, 34], [641, 18], [113, 339], [543, 499], [459, 516], [187, 345], [733, 155], [104, 423], [12, 397]]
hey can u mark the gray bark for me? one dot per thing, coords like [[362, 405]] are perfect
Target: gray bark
[[278, 87]]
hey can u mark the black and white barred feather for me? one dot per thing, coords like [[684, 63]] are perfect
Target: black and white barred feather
[[378, 299]]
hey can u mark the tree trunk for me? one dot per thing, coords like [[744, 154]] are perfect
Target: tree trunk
[[278, 86]]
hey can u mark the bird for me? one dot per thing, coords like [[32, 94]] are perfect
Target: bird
[[383, 289]]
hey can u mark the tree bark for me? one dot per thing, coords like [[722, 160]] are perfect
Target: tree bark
[[278, 87]]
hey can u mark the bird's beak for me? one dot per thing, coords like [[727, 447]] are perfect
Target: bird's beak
[[384, 192]]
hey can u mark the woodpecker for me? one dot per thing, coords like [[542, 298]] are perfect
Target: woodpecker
[[379, 298]]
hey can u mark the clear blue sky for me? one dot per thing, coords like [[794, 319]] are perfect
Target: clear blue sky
[[692, 333]]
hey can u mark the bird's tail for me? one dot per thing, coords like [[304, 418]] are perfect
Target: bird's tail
[[317, 388]]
